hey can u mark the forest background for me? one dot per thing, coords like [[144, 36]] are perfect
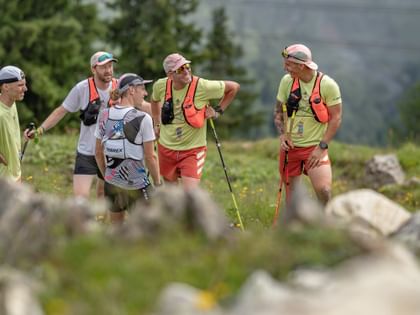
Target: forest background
[[369, 47]]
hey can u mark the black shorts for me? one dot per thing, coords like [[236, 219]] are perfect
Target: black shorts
[[86, 165], [122, 199]]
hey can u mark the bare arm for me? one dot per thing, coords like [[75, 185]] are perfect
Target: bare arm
[[56, 115], [156, 109], [151, 162], [278, 118], [334, 123], [231, 89], [99, 156], [3, 160]]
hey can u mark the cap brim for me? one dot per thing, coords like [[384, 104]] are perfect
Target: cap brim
[[312, 65], [180, 64]]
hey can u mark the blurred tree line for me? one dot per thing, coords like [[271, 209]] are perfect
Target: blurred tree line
[[52, 41]]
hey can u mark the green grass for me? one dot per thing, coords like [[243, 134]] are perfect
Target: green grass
[[98, 274]]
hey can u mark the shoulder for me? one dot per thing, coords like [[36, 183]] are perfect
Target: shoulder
[[286, 79], [160, 82], [210, 84], [82, 84], [328, 82]]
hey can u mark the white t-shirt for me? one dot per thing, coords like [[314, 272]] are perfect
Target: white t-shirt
[[122, 131], [78, 99]]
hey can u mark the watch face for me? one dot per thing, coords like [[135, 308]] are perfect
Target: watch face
[[323, 145]]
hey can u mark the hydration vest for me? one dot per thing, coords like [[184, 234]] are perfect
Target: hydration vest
[[122, 144], [89, 115], [318, 107], [193, 116]]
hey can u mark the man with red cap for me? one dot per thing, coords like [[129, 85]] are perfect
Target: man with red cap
[[180, 109], [307, 117], [88, 97]]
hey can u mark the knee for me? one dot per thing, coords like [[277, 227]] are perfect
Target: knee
[[324, 194]]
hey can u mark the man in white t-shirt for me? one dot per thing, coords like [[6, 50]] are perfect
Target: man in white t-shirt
[[87, 97]]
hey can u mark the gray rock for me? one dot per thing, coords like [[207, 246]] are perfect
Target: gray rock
[[383, 170]]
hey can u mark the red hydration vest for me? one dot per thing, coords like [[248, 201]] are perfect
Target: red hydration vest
[[193, 116], [93, 91], [318, 107]]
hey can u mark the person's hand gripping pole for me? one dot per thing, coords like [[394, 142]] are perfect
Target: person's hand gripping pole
[[30, 127]]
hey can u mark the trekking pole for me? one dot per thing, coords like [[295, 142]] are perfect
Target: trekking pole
[[282, 181], [31, 127], [285, 172], [218, 145]]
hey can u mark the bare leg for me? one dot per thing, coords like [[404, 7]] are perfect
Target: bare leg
[[117, 218], [189, 183], [100, 188], [321, 179], [82, 184]]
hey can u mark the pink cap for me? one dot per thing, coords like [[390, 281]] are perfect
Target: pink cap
[[299, 53], [100, 58], [173, 62]]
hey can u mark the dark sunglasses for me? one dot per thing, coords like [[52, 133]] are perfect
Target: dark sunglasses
[[286, 55], [105, 56], [182, 68]]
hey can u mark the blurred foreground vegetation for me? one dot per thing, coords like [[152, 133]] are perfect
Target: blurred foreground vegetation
[[99, 274]]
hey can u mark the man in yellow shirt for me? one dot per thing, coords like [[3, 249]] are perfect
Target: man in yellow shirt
[[179, 110], [306, 120], [12, 89]]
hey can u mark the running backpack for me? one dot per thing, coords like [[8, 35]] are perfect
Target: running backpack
[[318, 107], [193, 116], [89, 115]]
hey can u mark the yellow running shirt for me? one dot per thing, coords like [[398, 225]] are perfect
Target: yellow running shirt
[[179, 135], [306, 130]]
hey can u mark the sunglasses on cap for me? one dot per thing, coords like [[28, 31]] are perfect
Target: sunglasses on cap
[[182, 68], [286, 55], [105, 56]]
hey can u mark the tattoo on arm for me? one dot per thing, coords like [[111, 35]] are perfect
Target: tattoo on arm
[[278, 119]]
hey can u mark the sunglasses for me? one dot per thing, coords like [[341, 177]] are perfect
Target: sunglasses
[[182, 68], [286, 55], [105, 56]]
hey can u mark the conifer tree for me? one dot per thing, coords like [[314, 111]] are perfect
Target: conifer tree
[[221, 61], [51, 40], [147, 31]]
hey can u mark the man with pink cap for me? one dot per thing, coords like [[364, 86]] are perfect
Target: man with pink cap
[[307, 117], [87, 97], [180, 109]]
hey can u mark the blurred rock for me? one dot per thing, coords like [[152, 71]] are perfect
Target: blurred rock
[[29, 221], [368, 212], [182, 299], [382, 170], [303, 207], [409, 233], [18, 294], [171, 206], [385, 281]]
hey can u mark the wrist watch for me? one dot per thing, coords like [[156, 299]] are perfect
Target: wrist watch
[[323, 145], [219, 110]]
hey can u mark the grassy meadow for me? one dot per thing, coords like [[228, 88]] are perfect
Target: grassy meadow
[[98, 274]]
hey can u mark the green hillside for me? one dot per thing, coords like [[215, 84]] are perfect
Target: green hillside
[[99, 274]]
